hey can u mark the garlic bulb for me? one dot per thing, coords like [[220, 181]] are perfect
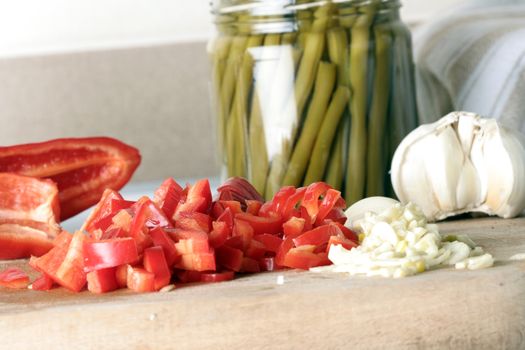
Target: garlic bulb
[[461, 163]]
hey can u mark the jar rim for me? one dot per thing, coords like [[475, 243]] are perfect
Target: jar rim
[[280, 7]]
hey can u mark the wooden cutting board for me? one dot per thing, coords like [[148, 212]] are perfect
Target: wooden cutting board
[[445, 308]]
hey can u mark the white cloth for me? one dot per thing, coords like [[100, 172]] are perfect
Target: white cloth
[[473, 59]]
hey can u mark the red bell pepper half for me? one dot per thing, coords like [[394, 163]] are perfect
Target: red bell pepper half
[[81, 167], [29, 211]]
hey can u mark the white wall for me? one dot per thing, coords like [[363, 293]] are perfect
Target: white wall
[[36, 26]]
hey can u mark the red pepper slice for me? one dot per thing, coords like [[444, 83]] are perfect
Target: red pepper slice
[[250, 265], [253, 206], [140, 280], [14, 277], [160, 238], [197, 261], [211, 277], [64, 264], [168, 196], [272, 243], [219, 234], [327, 204], [317, 236], [82, 167], [311, 198], [44, 282], [198, 199], [109, 253], [260, 225], [229, 258], [29, 211], [298, 258], [101, 216], [102, 281], [155, 262]]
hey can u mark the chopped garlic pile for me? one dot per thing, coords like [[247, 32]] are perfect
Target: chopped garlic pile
[[398, 242]]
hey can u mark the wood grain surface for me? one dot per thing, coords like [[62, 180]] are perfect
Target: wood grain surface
[[445, 308]]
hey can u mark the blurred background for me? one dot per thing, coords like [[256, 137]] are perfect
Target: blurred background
[[131, 69]]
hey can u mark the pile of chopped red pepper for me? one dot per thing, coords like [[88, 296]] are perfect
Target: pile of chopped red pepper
[[182, 235]]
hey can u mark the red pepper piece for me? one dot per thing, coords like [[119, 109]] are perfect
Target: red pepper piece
[[109, 253], [229, 258], [260, 225], [168, 196], [108, 206], [216, 276], [311, 198], [327, 204], [140, 280], [318, 236], [29, 211], [64, 264], [155, 262], [160, 238], [102, 281], [44, 282], [253, 206], [82, 167], [14, 277], [250, 265]]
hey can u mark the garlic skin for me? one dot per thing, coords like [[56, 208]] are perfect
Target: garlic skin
[[461, 163]]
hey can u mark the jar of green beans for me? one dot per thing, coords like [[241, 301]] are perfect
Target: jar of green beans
[[308, 91]]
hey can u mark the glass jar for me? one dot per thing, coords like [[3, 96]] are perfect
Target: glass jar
[[309, 91]]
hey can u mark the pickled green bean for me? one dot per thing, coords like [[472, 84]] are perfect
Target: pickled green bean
[[376, 130], [356, 167], [323, 142], [324, 85], [237, 128], [335, 172]]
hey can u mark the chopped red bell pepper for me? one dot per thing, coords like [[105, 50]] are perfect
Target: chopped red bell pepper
[[253, 206], [327, 204], [82, 167], [298, 258], [140, 280], [168, 196], [43, 283], [64, 264], [260, 225], [219, 234], [294, 227], [317, 236], [198, 261], [155, 262], [250, 265], [14, 277], [29, 211], [216, 276], [102, 215], [311, 198], [229, 258], [102, 281], [198, 199], [109, 253], [271, 243], [160, 238]]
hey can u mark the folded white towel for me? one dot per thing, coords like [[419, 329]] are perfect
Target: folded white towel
[[473, 59]]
